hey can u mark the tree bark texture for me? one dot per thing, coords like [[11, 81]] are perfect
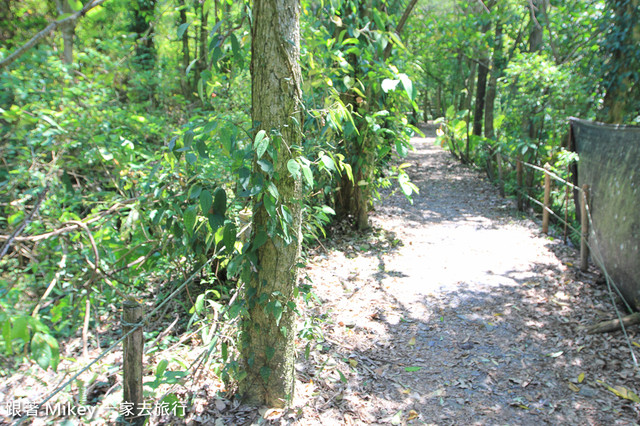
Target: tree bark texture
[[268, 347], [68, 31], [621, 82], [481, 89], [481, 86], [496, 70]]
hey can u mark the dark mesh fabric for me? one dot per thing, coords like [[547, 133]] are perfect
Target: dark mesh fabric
[[610, 164]]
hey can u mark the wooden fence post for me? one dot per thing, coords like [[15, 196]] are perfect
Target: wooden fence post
[[584, 219], [566, 213], [500, 179], [520, 183], [547, 196], [133, 407]]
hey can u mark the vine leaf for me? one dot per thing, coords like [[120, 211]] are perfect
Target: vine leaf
[[261, 143]]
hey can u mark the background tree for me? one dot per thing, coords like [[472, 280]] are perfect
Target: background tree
[[621, 50]]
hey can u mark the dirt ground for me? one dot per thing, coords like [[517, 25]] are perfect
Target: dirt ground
[[458, 310], [453, 310]]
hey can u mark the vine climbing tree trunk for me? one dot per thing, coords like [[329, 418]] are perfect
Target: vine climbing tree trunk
[[268, 344]]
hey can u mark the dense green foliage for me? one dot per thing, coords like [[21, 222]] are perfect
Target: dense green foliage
[[545, 64]]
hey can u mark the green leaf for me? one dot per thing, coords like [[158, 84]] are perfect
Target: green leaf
[[412, 369], [188, 138], [75, 5], [273, 190], [189, 219], [15, 218], [191, 158], [220, 202], [259, 240], [162, 366], [194, 191], [224, 351], [401, 148], [328, 210], [265, 372], [206, 201], [261, 143], [308, 175], [408, 86], [328, 162], [235, 45], [55, 350], [43, 352], [270, 352], [294, 168], [389, 85], [6, 335], [286, 214], [266, 166], [229, 236], [201, 147], [182, 28], [173, 405], [269, 204]]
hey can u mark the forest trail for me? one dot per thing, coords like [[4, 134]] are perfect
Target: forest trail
[[457, 310]]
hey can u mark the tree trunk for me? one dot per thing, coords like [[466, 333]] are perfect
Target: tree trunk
[[68, 30], [268, 345], [490, 97], [141, 25], [621, 82], [202, 54], [481, 89], [186, 57], [490, 100]]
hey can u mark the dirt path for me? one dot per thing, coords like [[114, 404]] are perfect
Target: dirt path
[[454, 310]]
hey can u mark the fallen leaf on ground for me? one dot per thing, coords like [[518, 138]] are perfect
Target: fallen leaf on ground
[[622, 392]]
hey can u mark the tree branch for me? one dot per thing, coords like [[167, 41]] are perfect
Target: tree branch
[[48, 30], [72, 227], [400, 27], [25, 222]]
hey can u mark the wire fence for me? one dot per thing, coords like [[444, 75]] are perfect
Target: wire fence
[[200, 359], [585, 237]]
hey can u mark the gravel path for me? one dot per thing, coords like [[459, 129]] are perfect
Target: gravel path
[[456, 310]]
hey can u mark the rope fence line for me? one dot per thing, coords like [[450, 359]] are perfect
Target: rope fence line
[[611, 285], [548, 209], [138, 325]]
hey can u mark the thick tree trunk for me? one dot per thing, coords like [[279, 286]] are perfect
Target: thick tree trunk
[[622, 93], [268, 346]]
